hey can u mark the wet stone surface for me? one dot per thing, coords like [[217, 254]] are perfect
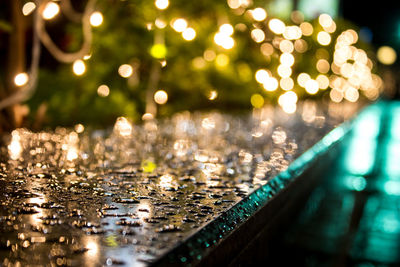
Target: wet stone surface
[[127, 195]]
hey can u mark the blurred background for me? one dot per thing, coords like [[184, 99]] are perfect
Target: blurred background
[[88, 62]]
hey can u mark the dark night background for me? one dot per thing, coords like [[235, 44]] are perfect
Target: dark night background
[[381, 17]]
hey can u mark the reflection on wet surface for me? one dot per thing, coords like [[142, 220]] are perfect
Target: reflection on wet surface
[[126, 196]]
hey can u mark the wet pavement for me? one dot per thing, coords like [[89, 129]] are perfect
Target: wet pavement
[[128, 195]]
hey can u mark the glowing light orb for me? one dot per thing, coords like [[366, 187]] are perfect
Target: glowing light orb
[[21, 79], [161, 97]]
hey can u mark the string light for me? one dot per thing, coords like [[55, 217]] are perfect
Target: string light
[[302, 79], [271, 84], [226, 29], [103, 90], [79, 128], [79, 67], [161, 4], [258, 35], [125, 70], [325, 20], [306, 28], [257, 100], [222, 60], [21, 79], [161, 24], [267, 49], [312, 87], [261, 76], [292, 32], [288, 101], [323, 81], [324, 38], [213, 95], [96, 19], [209, 55], [28, 8], [287, 59], [386, 55], [161, 97], [189, 34], [179, 25], [286, 83], [50, 10], [259, 14], [276, 26], [286, 46]]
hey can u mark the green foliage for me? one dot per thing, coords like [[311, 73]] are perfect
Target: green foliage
[[129, 35]]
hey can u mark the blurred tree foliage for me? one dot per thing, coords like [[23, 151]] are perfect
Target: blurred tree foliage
[[127, 36]]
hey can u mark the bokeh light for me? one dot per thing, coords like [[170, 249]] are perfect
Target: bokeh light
[[259, 14], [50, 10], [96, 19], [257, 100], [189, 34], [103, 90], [161, 4], [386, 55], [28, 8], [276, 26], [161, 97], [21, 79], [78, 67], [125, 70]]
